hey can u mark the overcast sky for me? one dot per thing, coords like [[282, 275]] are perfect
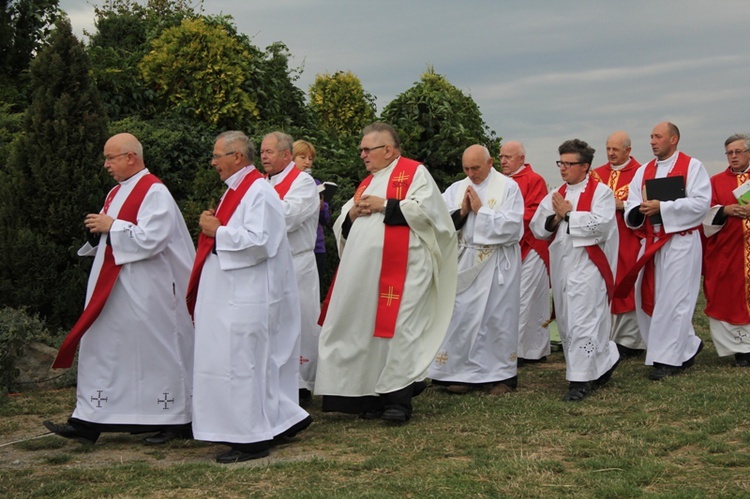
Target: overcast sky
[[541, 71]]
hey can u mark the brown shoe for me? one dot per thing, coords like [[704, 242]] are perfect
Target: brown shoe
[[459, 389], [500, 389]]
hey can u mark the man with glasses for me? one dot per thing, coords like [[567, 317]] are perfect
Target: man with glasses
[[301, 202], [247, 318], [579, 220], [480, 347], [668, 269], [136, 357], [726, 282], [533, 336], [393, 293], [617, 174]]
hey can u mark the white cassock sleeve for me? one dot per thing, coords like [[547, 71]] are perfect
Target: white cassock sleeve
[[301, 202]]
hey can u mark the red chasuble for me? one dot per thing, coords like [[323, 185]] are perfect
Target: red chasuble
[[283, 187], [630, 244], [646, 261], [595, 252], [533, 189], [228, 205], [395, 257], [726, 259], [107, 274]]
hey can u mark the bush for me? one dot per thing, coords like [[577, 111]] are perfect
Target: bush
[[17, 329]]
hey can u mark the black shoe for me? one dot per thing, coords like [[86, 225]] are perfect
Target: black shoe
[[298, 427], [534, 361], [305, 397], [628, 353], [374, 414], [68, 431], [577, 391], [691, 360], [742, 360], [161, 438], [604, 378], [394, 414], [661, 371], [237, 456]]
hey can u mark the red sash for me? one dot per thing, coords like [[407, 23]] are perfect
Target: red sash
[[228, 205], [595, 252], [395, 253], [107, 274], [647, 259], [283, 187]]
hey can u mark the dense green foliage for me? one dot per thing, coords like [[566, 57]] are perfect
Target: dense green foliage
[[24, 24], [17, 329], [436, 122], [340, 105], [54, 177]]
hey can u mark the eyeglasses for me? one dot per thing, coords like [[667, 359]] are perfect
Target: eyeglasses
[[566, 165], [217, 156], [735, 153], [113, 156], [368, 150]]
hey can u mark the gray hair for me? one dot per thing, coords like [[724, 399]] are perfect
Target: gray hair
[[738, 136], [241, 143], [284, 141], [380, 127]]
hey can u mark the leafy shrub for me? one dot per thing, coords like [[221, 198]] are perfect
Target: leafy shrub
[[17, 329]]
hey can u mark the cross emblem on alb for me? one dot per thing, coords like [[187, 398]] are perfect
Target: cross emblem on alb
[[399, 182], [166, 400], [99, 399], [389, 296], [442, 358]]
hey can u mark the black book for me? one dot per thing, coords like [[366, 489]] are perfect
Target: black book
[[327, 190], [664, 189]]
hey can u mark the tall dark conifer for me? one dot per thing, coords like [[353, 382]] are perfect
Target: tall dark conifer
[[54, 177]]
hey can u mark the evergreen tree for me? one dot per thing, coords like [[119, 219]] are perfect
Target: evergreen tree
[[436, 121], [340, 104], [54, 177]]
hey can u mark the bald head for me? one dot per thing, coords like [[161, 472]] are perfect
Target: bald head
[[618, 148], [664, 139], [512, 157], [123, 156], [477, 163]]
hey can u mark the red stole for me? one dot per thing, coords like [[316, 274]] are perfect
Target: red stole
[[630, 244], [533, 189], [283, 187], [228, 205], [646, 261], [595, 252], [107, 274], [395, 256]]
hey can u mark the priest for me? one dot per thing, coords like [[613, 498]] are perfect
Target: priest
[[579, 219], [135, 333], [393, 294], [726, 282], [480, 348], [247, 321]]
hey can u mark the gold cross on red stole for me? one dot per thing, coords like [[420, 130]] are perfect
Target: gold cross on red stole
[[613, 178], [389, 296], [399, 182]]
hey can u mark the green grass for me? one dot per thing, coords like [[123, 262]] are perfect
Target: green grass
[[686, 436]]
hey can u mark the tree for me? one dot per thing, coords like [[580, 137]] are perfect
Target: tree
[[198, 70], [54, 178], [24, 24], [340, 105], [436, 122]]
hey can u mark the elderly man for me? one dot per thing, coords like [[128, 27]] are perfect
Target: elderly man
[[726, 282], [480, 346], [533, 336], [394, 290], [301, 202], [135, 363], [617, 174], [579, 218], [247, 318], [669, 263]]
